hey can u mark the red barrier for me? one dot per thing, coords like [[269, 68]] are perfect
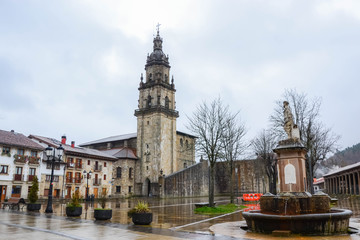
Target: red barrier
[[252, 197]]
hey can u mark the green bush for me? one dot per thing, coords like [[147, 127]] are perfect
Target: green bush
[[33, 194], [75, 200], [141, 207]]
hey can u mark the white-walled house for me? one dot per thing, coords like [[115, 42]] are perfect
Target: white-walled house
[[19, 163]]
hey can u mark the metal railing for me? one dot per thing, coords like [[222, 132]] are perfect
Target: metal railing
[[30, 178], [97, 181], [98, 168], [18, 177], [79, 165]]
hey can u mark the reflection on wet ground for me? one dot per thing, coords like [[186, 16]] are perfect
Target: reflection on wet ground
[[168, 215], [352, 203], [178, 213]]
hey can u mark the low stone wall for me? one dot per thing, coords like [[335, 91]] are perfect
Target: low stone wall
[[192, 181]]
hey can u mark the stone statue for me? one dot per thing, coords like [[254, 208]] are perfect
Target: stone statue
[[290, 128]]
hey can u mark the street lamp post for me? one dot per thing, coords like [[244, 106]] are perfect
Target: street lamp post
[[50, 154], [88, 175]]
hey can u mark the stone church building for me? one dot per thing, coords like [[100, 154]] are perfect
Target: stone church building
[[157, 149]]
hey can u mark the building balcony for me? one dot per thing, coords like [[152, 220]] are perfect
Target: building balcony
[[34, 160], [20, 159], [19, 177], [96, 182], [77, 181], [156, 109], [78, 165], [30, 178], [70, 180], [97, 168]]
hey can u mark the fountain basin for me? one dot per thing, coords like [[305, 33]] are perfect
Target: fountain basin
[[334, 222]]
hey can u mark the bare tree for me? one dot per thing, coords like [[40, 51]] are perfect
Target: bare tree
[[208, 123], [318, 139], [234, 145], [263, 145]]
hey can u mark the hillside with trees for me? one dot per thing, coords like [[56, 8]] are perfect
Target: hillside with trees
[[348, 156]]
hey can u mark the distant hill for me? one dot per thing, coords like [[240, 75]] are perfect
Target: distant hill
[[349, 155]]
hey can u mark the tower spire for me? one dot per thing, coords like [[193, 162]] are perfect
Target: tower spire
[[157, 57]]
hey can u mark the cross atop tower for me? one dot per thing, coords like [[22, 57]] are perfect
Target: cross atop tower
[[158, 28]]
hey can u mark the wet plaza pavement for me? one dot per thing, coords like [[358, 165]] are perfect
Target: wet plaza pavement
[[172, 219]]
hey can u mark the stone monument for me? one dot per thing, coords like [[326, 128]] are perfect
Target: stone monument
[[293, 209]]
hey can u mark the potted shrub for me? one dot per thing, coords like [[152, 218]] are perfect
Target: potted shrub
[[74, 208], [103, 213], [141, 214], [33, 196]]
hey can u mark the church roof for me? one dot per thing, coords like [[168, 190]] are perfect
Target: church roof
[[186, 134], [123, 153], [111, 139]]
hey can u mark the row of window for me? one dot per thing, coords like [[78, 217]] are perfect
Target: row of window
[[20, 151], [119, 172], [148, 101], [118, 189], [78, 163], [18, 170]]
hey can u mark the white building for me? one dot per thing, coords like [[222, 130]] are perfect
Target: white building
[[19, 163]]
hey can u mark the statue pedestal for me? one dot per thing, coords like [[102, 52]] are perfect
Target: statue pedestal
[[291, 166]]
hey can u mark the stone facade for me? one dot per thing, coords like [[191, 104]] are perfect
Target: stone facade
[[185, 150], [123, 175], [194, 180], [156, 123]]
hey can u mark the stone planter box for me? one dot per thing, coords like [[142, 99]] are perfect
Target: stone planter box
[[33, 207], [102, 214], [73, 211], [142, 218]]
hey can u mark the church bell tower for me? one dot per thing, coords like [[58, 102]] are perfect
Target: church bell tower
[[156, 122]]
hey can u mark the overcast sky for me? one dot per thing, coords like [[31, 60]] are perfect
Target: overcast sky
[[74, 67]]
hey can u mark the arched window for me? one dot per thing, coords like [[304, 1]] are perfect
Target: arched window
[[167, 102], [118, 172], [181, 142], [186, 144], [130, 172], [148, 101], [150, 77], [185, 165]]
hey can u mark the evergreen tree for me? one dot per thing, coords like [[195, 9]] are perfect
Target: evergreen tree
[[33, 194]]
